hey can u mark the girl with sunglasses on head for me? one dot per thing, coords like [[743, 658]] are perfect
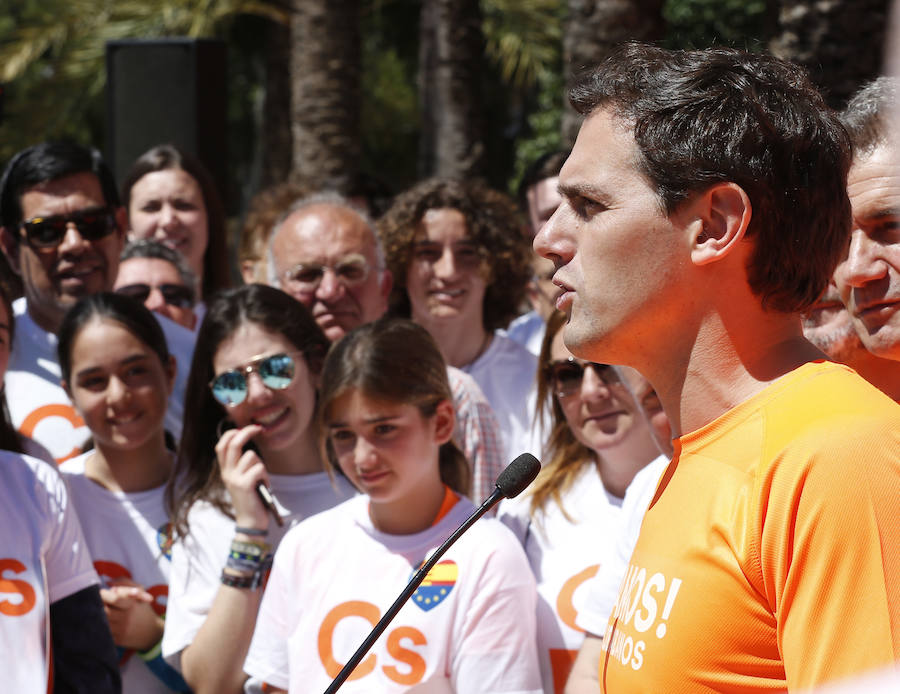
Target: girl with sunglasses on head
[[386, 420], [117, 370], [252, 397], [599, 440]]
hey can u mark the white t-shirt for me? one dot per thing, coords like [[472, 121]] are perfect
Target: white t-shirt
[[40, 408], [43, 559], [528, 330], [506, 373], [563, 555], [127, 536], [469, 628], [198, 559], [603, 589]]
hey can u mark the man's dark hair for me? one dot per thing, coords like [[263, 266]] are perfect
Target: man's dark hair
[[548, 165], [704, 117], [869, 112], [49, 161]]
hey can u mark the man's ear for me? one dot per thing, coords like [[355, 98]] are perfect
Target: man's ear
[[10, 248], [721, 214], [122, 221]]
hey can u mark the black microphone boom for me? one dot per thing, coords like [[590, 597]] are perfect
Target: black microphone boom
[[510, 483]]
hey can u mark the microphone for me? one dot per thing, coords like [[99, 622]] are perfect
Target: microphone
[[510, 483]]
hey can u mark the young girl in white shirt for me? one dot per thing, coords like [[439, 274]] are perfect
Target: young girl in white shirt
[[386, 420], [250, 405], [117, 370]]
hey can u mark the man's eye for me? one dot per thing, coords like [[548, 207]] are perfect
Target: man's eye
[[351, 272], [430, 255], [384, 429], [308, 274]]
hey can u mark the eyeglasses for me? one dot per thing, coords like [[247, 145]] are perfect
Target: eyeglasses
[[566, 375], [306, 277], [46, 233], [276, 371], [173, 294]]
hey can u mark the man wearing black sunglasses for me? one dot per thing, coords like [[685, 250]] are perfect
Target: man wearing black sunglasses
[[158, 277], [62, 229]]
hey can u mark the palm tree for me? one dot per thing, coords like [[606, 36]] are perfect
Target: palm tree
[[325, 92], [840, 42], [593, 28], [451, 55]]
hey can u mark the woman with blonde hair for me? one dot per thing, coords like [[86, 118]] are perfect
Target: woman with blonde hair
[[599, 439]]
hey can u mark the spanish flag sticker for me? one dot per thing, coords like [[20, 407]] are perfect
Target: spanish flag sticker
[[437, 585]]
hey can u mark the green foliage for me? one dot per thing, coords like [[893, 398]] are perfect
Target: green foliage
[[389, 112], [544, 124], [52, 57], [704, 23], [523, 37]]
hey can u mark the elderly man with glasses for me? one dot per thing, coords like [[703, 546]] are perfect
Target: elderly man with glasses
[[324, 252], [62, 229]]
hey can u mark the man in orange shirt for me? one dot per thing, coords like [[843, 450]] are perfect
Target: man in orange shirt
[[704, 208]]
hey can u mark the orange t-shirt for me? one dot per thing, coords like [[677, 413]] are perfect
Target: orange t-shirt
[[770, 556]]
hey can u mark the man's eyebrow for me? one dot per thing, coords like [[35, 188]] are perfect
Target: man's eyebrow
[[885, 213], [573, 190]]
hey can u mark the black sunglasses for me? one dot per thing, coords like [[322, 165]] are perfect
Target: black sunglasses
[[173, 294], [566, 375], [46, 233]]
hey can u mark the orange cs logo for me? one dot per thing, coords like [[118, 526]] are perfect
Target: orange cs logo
[[23, 589], [359, 608]]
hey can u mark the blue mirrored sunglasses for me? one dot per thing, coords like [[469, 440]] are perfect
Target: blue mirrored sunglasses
[[276, 371]]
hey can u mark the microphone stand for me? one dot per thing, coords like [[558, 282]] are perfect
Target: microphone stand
[[411, 587]]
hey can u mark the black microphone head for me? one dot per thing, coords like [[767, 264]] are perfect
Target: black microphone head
[[518, 475]]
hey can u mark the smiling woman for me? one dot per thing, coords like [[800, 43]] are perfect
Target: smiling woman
[[599, 440], [118, 372], [171, 197], [252, 392]]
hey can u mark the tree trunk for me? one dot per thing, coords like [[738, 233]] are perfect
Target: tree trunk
[[451, 65], [277, 143], [840, 42], [325, 92], [592, 29]]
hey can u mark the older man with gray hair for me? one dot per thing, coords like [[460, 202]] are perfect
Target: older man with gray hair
[[324, 252], [868, 277]]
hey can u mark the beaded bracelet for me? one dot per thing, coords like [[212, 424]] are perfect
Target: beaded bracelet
[[246, 577], [253, 549]]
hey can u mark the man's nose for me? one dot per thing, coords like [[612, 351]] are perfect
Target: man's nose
[[864, 262]]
